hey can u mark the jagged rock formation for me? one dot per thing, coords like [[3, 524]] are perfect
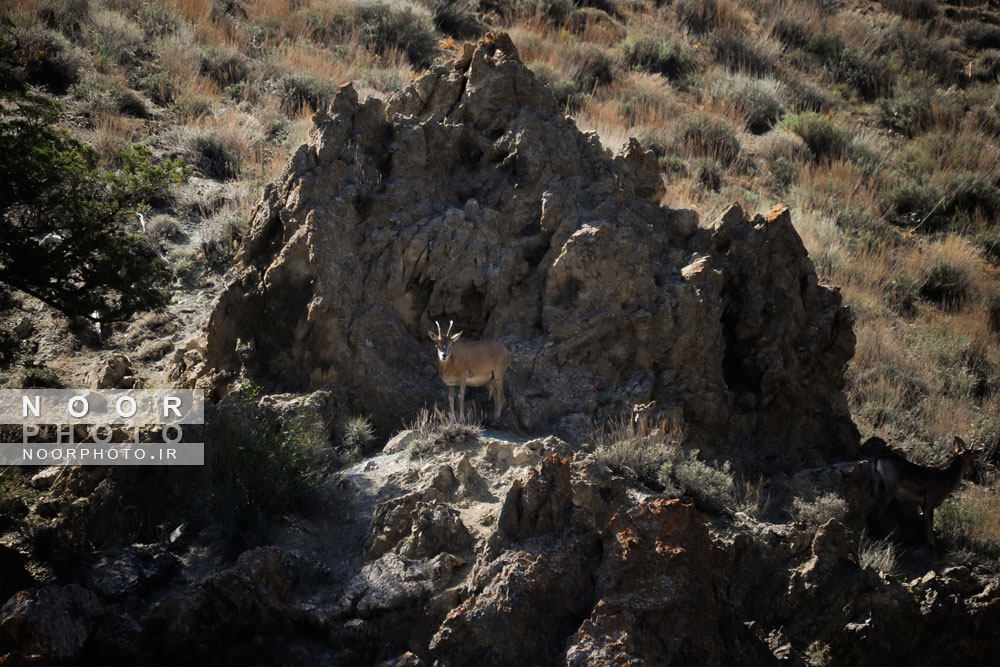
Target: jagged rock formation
[[469, 196]]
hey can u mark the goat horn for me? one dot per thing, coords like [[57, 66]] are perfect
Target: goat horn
[[439, 327], [450, 324]]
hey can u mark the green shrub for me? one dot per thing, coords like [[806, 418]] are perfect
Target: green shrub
[[53, 187], [400, 26], [592, 67], [260, 467], [980, 35], [817, 512], [41, 57], [356, 436], [105, 94], [157, 19], [970, 522], [708, 136], [220, 236], [987, 66], [116, 39], [824, 136], [671, 57], [761, 101], [298, 89], [922, 10], [713, 489], [224, 65], [699, 16], [741, 53], [217, 154], [456, 19], [636, 455], [946, 284]]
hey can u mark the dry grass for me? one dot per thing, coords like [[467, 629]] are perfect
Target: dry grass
[[114, 134]]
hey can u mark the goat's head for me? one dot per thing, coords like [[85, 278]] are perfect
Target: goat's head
[[639, 410], [444, 341]]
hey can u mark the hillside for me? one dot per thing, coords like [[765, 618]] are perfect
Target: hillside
[[327, 225]]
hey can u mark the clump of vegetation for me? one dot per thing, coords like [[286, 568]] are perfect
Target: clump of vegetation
[[877, 555], [629, 449], [760, 101], [714, 489], [216, 152], [710, 136], [455, 18], [816, 512], [261, 467], [742, 53], [670, 57], [434, 428], [356, 436], [107, 94], [970, 521], [400, 26], [824, 136], [300, 90]]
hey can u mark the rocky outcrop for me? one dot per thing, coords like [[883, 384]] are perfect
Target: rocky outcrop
[[469, 196], [52, 623], [226, 612]]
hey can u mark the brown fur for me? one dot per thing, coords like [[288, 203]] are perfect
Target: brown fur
[[470, 365], [895, 477]]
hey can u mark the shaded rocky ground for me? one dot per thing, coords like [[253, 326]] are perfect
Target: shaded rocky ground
[[505, 553]]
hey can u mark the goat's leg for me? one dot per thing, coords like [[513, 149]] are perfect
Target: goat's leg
[[461, 401], [499, 395], [451, 401]]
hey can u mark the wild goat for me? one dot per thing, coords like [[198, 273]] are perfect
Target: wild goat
[[640, 417], [470, 364], [895, 477]]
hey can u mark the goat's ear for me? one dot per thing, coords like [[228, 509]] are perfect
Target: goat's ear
[[456, 336], [959, 445], [430, 334]]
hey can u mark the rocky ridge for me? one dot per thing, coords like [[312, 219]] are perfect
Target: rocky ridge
[[469, 196], [494, 552]]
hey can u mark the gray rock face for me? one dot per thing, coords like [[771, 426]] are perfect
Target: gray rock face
[[470, 197]]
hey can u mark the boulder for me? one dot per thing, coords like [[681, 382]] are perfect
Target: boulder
[[52, 623], [469, 196], [131, 571], [228, 612], [658, 598]]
